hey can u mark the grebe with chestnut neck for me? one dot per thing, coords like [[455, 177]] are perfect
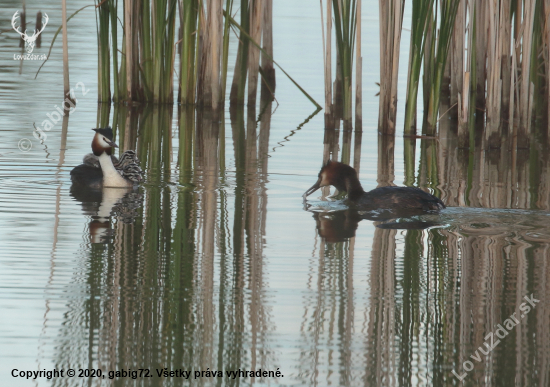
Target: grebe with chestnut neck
[[98, 170], [394, 199]]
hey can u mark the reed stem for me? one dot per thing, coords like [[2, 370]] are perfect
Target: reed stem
[[421, 14], [188, 19], [66, 83], [104, 74], [391, 15], [241, 67]]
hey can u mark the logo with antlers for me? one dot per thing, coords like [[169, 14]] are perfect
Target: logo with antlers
[[29, 40]]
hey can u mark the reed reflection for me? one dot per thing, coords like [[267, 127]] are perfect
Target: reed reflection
[[484, 177], [434, 295], [180, 286]]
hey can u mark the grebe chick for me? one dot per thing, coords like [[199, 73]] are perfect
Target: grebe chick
[[395, 199], [127, 158], [127, 166], [123, 173]]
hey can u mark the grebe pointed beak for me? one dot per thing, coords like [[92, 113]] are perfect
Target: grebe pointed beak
[[111, 143], [313, 188]]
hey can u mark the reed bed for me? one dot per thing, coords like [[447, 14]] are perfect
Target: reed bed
[[489, 58], [436, 55], [143, 67], [146, 69], [347, 30]]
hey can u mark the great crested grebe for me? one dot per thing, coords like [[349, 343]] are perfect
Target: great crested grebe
[[98, 169], [395, 199]]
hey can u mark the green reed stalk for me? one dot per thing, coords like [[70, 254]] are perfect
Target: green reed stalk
[[103, 57], [122, 72], [428, 62], [422, 10], [114, 28], [169, 56], [344, 25], [158, 22], [103, 115], [446, 25], [146, 50], [188, 21]]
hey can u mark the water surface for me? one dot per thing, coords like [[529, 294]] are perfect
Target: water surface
[[213, 265]]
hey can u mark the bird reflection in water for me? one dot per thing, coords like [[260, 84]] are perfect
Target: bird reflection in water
[[106, 185], [338, 226], [102, 204]]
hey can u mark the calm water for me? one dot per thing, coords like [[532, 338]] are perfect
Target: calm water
[[213, 265]]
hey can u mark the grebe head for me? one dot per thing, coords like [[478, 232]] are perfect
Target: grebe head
[[103, 141], [337, 174]]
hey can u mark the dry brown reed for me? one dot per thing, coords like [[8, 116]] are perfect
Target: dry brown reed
[[358, 73], [66, 84], [498, 69], [327, 63], [256, 16], [267, 69], [391, 20]]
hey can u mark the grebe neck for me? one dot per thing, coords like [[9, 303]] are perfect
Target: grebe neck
[[111, 177], [354, 188]]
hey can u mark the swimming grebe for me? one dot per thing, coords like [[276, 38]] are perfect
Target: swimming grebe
[[395, 199], [125, 173]]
